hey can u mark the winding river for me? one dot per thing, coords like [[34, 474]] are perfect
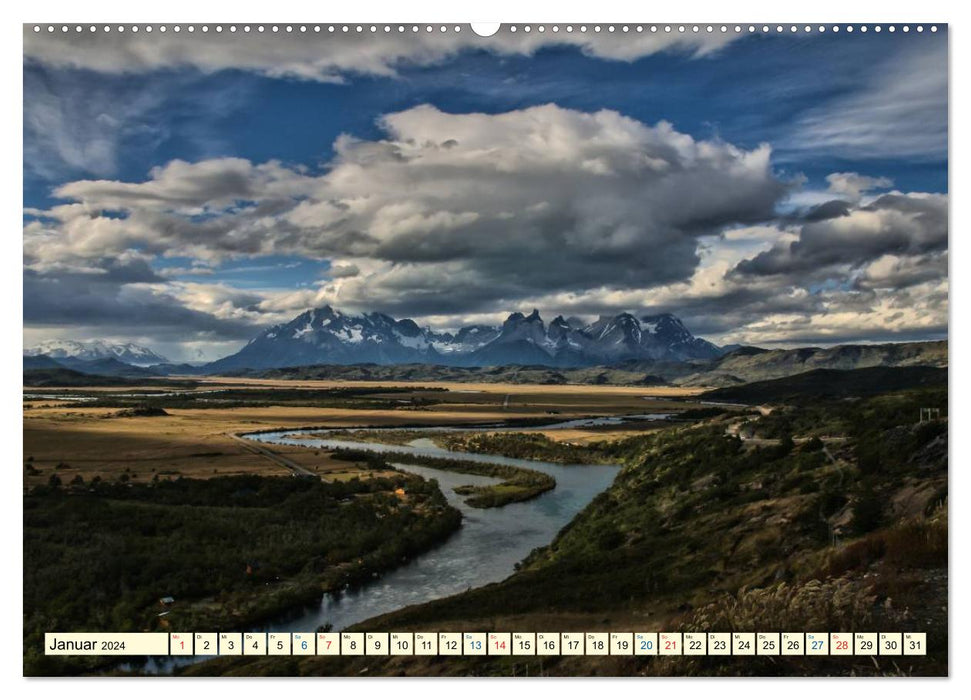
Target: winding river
[[484, 550]]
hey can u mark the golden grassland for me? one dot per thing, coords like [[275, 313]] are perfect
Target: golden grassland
[[456, 387], [71, 439]]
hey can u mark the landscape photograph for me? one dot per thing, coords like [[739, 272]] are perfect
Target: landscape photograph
[[573, 329]]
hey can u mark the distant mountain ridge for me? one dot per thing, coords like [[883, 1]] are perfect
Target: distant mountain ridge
[[621, 349], [107, 366], [129, 353], [749, 364], [744, 365], [329, 336]]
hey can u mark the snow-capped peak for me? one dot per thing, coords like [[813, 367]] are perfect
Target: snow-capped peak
[[329, 336], [129, 353]]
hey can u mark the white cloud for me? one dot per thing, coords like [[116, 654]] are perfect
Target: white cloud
[[852, 186], [453, 209], [329, 57]]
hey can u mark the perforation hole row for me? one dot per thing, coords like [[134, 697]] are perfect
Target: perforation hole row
[[454, 28]]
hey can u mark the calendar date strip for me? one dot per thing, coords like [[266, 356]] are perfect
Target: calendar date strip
[[487, 644]]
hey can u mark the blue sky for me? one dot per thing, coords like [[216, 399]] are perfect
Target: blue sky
[[872, 105]]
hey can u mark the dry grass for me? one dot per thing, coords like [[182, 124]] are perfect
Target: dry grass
[[484, 387], [833, 604], [91, 442], [917, 543], [192, 443]]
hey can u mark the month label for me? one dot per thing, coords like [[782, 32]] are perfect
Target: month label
[[106, 643]]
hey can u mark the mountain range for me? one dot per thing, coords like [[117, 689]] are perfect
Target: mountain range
[[329, 336], [129, 353], [326, 343]]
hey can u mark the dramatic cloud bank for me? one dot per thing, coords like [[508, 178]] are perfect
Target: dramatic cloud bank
[[458, 217]]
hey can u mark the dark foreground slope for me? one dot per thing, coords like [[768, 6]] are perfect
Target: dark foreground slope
[[704, 530], [231, 551], [823, 384]]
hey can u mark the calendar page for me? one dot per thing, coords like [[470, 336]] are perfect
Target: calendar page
[[546, 349]]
